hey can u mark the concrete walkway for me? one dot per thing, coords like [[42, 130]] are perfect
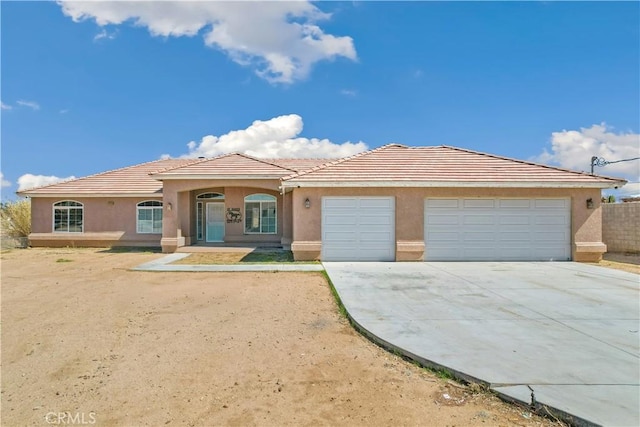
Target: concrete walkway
[[565, 332], [164, 264]]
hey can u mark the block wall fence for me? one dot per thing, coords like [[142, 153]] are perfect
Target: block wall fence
[[621, 226]]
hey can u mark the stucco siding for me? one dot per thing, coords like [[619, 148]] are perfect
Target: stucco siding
[[107, 222]]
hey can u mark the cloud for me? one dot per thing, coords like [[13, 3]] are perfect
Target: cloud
[[31, 104], [280, 40], [4, 106], [4, 182], [349, 92], [573, 149], [64, 111], [28, 181], [275, 138], [104, 35]]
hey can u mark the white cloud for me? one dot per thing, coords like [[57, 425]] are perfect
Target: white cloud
[[31, 104], [280, 39], [349, 92], [28, 181], [275, 138], [4, 106], [64, 111], [573, 149], [4, 182], [104, 34]]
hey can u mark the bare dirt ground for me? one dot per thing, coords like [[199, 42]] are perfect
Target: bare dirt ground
[[87, 339]]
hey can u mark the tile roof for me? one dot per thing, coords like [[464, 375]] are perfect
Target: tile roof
[[132, 180], [237, 165], [390, 165], [402, 165]]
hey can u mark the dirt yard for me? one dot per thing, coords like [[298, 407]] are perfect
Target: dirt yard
[[86, 341]]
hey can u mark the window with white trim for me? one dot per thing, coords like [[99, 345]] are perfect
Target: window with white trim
[[149, 217], [68, 217], [260, 214]]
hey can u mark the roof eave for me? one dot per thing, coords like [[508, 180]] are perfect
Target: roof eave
[[85, 195], [455, 184]]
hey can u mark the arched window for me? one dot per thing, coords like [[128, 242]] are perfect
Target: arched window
[[149, 217], [260, 214], [68, 217], [209, 196]]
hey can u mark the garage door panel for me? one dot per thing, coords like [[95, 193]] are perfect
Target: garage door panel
[[365, 202], [497, 229], [339, 203], [551, 203], [385, 221], [443, 220], [443, 203], [506, 220], [478, 203], [340, 220], [485, 219], [514, 203]]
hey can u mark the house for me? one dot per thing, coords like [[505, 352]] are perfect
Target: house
[[391, 203]]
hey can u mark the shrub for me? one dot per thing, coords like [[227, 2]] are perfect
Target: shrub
[[15, 218]]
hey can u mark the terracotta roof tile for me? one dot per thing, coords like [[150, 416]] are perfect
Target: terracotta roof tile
[[131, 180], [239, 165], [442, 164]]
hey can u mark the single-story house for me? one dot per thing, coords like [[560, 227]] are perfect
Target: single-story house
[[391, 203]]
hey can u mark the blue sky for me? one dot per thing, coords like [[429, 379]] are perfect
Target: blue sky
[[88, 87]]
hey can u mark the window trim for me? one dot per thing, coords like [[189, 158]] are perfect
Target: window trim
[[57, 205], [210, 195], [157, 205], [274, 201]]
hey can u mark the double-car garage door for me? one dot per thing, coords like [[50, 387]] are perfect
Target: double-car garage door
[[461, 229]]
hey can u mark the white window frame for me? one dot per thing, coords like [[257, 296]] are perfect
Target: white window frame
[[61, 206], [272, 199], [149, 205]]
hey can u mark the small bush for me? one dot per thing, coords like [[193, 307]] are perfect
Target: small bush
[[15, 218]]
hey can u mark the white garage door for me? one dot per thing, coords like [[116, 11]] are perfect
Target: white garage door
[[358, 229], [497, 229]]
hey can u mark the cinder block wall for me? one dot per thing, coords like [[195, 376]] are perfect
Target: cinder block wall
[[621, 226]]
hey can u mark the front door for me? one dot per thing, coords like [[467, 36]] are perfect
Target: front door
[[215, 222]]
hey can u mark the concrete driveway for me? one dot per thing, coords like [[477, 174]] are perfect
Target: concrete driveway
[[566, 332]]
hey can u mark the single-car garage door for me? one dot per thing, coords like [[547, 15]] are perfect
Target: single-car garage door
[[497, 229], [358, 229]]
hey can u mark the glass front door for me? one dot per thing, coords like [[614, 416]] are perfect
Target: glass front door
[[215, 222]]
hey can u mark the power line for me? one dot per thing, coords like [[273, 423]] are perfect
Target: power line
[[599, 161]]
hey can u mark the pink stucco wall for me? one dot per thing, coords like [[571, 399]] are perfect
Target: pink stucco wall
[[108, 221]]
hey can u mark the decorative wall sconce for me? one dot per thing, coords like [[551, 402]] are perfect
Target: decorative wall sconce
[[589, 203], [307, 203], [169, 206]]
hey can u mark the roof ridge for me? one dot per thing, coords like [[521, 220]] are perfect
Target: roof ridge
[[93, 175], [526, 162], [195, 161], [342, 160], [265, 161]]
